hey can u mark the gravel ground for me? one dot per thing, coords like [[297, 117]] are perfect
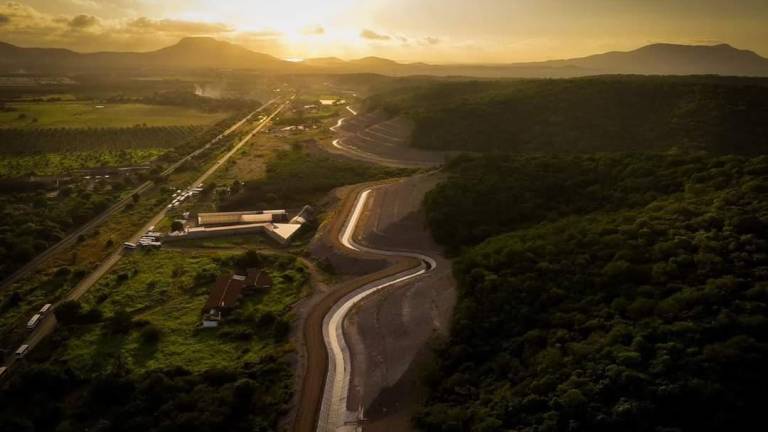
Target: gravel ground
[[390, 334]]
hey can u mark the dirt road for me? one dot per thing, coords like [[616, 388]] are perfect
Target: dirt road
[[391, 212]]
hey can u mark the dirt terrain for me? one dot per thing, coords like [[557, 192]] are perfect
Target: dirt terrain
[[378, 138], [312, 311], [390, 333]]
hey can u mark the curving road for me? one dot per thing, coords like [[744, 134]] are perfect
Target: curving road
[[334, 414], [356, 153]]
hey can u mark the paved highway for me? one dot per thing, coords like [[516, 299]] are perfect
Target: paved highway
[[38, 260], [48, 324], [334, 414]]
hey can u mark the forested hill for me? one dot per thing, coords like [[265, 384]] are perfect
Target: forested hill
[[613, 113], [614, 292]]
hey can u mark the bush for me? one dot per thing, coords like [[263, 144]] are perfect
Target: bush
[[120, 322], [150, 334]]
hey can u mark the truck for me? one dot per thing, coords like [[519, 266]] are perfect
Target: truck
[[34, 321], [44, 310], [22, 351], [129, 245]]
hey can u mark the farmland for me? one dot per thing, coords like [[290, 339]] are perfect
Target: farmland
[[82, 114], [49, 164], [24, 141]]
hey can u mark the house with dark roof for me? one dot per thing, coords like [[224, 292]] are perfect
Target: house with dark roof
[[229, 290]]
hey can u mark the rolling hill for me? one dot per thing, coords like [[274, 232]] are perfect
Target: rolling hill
[[188, 53], [208, 53], [726, 115]]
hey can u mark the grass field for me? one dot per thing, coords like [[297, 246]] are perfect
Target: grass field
[[168, 289], [87, 114]]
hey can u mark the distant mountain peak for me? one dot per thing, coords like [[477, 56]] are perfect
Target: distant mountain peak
[[371, 60], [203, 42]]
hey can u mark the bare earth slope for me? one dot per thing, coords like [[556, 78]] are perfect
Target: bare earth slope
[[389, 333]]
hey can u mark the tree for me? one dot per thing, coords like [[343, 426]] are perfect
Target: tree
[[68, 312], [177, 226], [120, 322], [235, 188], [150, 334]]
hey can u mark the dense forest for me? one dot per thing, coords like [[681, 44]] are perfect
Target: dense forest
[[603, 292], [297, 177], [721, 115]]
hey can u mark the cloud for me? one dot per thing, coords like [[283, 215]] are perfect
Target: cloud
[[83, 22], [372, 35], [178, 26], [313, 30], [26, 26], [429, 40], [261, 35]]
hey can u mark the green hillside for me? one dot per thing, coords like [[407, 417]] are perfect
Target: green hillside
[[723, 115], [619, 292]]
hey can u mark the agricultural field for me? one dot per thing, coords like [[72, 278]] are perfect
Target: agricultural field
[[81, 114], [15, 141], [51, 164], [37, 214]]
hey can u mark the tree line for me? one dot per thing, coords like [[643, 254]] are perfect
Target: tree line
[[615, 113]]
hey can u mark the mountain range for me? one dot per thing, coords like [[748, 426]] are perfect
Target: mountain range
[[212, 54]]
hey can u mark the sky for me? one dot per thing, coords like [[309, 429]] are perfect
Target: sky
[[435, 31]]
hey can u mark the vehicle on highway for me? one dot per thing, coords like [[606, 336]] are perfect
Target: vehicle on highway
[[34, 321], [2, 371], [129, 245], [150, 244], [44, 310], [22, 351]]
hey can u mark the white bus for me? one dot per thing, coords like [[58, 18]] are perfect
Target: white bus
[[22, 351], [44, 310], [34, 321]]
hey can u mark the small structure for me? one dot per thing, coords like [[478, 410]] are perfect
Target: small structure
[[227, 292], [258, 278], [303, 217]]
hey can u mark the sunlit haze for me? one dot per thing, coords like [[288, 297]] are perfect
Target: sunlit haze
[[444, 31]]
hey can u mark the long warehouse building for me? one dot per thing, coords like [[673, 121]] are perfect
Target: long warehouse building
[[246, 217]]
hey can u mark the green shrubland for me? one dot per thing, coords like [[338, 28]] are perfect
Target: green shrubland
[[603, 292]]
